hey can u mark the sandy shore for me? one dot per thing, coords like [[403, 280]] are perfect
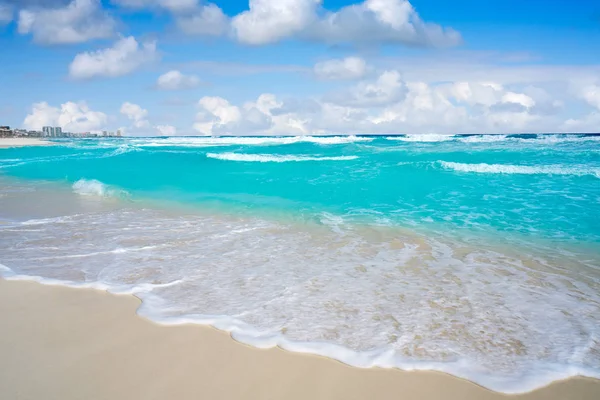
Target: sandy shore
[[61, 343], [20, 142]]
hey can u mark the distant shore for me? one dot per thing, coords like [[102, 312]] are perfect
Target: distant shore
[[21, 142], [62, 343]]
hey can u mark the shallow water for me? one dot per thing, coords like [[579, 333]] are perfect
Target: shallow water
[[474, 255]]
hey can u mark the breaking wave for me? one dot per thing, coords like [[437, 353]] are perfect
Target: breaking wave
[[491, 138], [263, 158], [93, 187], [232, 141], [520, 169]]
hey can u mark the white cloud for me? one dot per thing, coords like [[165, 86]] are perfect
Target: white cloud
[[381, 21], [347, 68], [269, 21], [372, 21], [166, 130], [175, 80], [206, 20], [72, 117], [136, 114], [124, 57], [518, 98], [77, 22], [191, 16], [587, 124], [389, 104], [386, 89], [216, 113], [473, 93], [591, 94]]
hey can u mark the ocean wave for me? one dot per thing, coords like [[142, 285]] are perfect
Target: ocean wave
[[93, 187], [121, 149], [337, 289], [249, 141], [483, 168], [494, 138], [427, 138], [482, 138], [263, 158]]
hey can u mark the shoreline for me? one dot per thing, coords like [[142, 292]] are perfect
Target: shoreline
[[86, 343], [6, 143]]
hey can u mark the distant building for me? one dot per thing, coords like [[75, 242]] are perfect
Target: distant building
[[52, 131], [5, 131]]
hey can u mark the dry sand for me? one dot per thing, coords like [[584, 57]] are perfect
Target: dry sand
[[20, 142], [62, 343]]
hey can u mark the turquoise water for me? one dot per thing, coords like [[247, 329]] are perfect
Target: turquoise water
[[474, 255], [546, 188]]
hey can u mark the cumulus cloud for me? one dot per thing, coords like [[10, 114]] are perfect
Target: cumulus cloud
[[347, 68], [126, 56], [71, 117], [206, 20], [76, 22], [136, 114], [372, 21], [175, 80], [269, 21], [591, 94], [388, 104], [215, 115], [387, 88], [191, 16], [381, 21]]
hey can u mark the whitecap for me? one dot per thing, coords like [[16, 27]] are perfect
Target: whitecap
[[249, 141], [483, 168], [93, 187], [426, 138], [263, 158]]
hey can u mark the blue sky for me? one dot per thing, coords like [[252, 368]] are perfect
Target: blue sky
[[192, 67]]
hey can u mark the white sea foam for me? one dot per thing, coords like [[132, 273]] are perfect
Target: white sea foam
[[496, 138], [377, 297], [93, 187], [521, 169], [483, 138], [422, 138], [249, 141], [274, 158]]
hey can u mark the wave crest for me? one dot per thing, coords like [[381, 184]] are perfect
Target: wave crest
[[520, 169], [93, 187], [250, 141], [263, 158]]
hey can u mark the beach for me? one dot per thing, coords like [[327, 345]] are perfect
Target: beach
[[362, 257], [22, 142], [64, 343]]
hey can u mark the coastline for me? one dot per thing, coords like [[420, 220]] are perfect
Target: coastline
[[65, 343], [22, 142]]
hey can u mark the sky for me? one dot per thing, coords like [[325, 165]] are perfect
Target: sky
[[301, 67]]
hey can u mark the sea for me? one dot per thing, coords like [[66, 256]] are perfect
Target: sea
[[473, 255]]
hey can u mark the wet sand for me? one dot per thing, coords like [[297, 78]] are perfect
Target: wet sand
[[62, 343]]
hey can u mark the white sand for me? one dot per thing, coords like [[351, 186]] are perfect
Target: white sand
[[61, 343], [20, 142]]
